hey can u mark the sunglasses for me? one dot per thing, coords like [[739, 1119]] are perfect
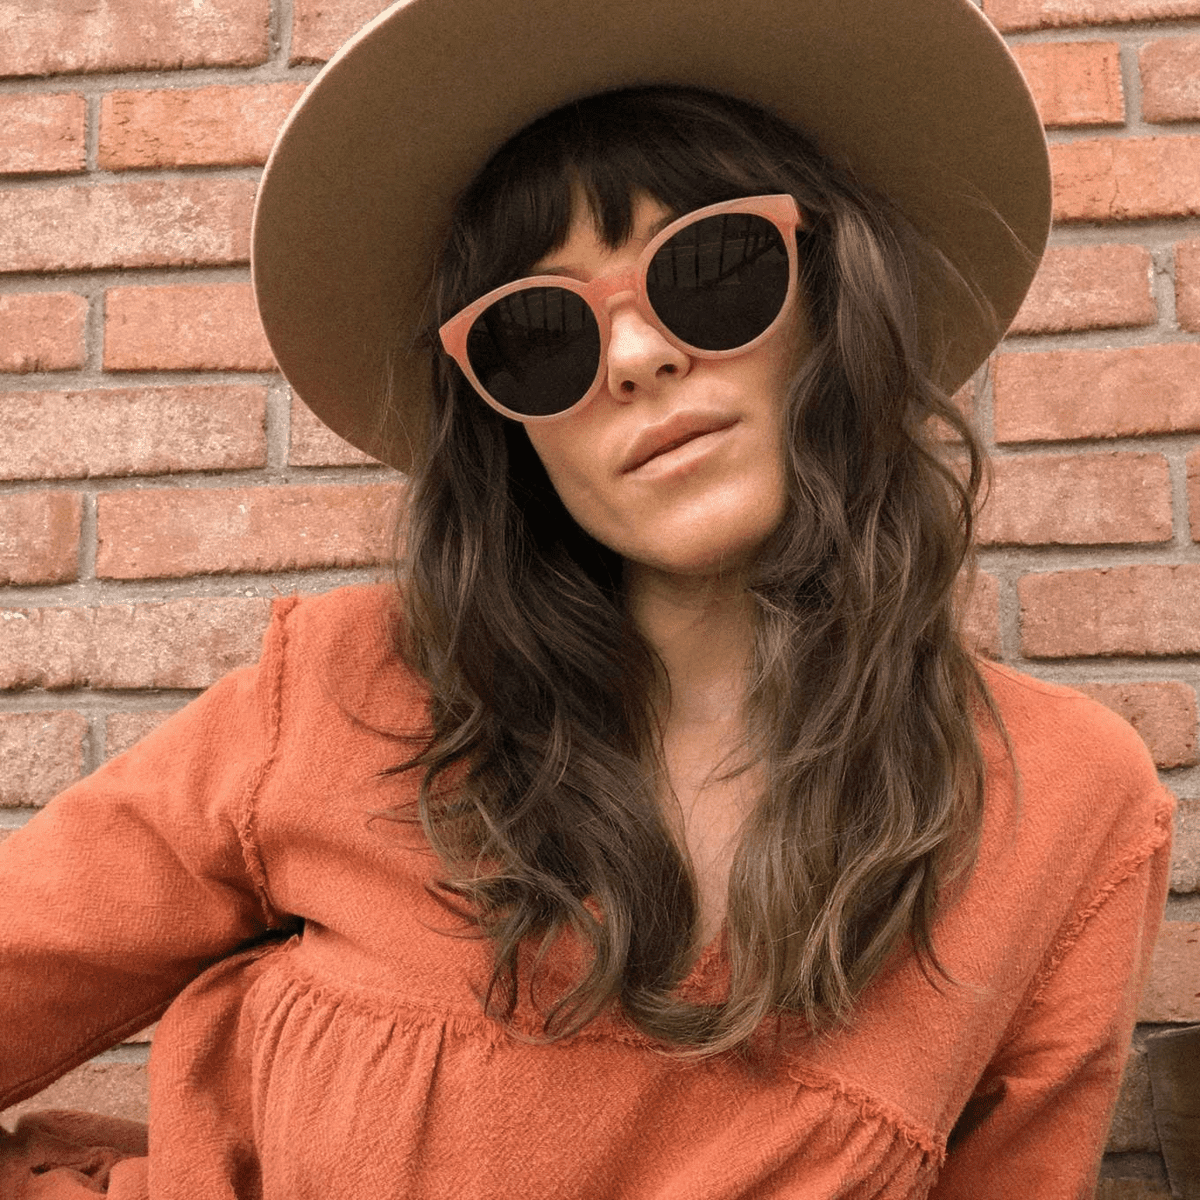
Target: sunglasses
[[715, 283]]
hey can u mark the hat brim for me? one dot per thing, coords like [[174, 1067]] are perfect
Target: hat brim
[[921, 99]]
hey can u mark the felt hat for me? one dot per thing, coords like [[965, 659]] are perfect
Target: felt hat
[[921, 99]]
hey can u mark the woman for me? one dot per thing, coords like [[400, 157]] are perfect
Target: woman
[[658, 837]]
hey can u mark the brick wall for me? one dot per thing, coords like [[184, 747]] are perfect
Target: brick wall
[[158, 484]]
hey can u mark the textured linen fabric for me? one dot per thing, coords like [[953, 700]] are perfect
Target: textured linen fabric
[[321, 1036]]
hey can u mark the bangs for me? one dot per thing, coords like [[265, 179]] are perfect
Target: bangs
[[608, 150]]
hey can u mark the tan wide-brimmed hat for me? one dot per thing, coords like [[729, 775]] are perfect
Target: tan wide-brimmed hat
[[920, 98]]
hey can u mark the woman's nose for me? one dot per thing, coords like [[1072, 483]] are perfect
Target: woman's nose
[[640, 359]]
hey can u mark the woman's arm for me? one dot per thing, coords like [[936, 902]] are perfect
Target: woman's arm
[[130, 883], [1037, 1122]]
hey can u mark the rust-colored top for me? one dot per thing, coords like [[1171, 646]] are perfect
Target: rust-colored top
[[351, 1060]]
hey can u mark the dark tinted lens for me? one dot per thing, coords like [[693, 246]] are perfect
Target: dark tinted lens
[[719, 282], [536, 351]]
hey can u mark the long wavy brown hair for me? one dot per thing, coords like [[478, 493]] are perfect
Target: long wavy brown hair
[[542, 771]]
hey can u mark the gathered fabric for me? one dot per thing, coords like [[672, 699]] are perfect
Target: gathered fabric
[[321, 1035]]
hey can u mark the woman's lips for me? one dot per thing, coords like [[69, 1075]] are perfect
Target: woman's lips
[[681, 456], [670, 435]]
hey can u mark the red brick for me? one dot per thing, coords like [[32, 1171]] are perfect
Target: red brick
[[42, 134], [1074, 83], [1011, 15], [1187, 285], [113, 1089], [161, 223], [1173, 990], [193, 127], [1140, 610], [1078, 499], [320, 26], [184, 327], [187, 643], [1089, 287], [1126, 179], [49, 38], [1163, 713], [125, 729], [1065, 394], [42, 331], [132, 431], [1193, 487], [1185, 853], [1170, 69], [163, 533], [981, 616], [39, 537], [40, 754], [314, 444]]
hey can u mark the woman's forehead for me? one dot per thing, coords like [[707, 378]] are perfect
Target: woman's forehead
[[585, 240]]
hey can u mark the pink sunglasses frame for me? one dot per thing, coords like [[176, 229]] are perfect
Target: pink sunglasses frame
[[600, 293]]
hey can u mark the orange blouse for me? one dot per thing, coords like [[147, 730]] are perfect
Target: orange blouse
[[320, 1035]]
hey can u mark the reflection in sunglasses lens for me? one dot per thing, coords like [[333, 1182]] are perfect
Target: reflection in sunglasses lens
[[537, 350], [720, 282]]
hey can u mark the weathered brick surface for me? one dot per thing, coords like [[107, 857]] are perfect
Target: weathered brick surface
[[132, 431], [1142, 610], [39, 537], [314, 444], [143, 223], [114, 1089], [46, 38], [187, 643], [194, 531], [42, 331], [1193, 489], [319, 27], [124, 729], [1066, 394], [1012, 15], [1173, 989], [1126, 179], [1163, 713], [184, 327], [1132, 1189], [1185, 852], [1187, 285], [42, 134], [1170, 71], [191, 127], [1089, 287], [1074, 83], [1078, 499], [40, 754]]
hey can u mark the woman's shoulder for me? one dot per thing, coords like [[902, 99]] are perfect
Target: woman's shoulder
[[1050, 719], [342, 648], [361, 614], [1084, 772]]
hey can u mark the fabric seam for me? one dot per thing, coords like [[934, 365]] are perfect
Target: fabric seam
[[271, 666], [1126, 868]]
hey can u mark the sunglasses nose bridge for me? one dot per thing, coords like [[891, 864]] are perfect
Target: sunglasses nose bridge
[[606, 292]]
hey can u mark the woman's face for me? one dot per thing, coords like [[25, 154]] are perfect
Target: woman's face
[[713, 489]]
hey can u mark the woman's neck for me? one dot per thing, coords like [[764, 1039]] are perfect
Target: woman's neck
[[702, 629]]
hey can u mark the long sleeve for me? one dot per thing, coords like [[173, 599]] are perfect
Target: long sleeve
[[1038, 1119], [126, 886]]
